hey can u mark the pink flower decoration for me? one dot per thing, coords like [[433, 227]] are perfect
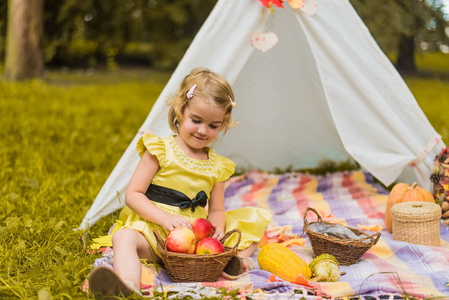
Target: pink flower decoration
[[269, 3]]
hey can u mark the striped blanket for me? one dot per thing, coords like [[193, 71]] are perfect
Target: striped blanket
[[390, 269]]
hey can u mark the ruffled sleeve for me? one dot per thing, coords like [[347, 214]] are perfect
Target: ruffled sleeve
[[226, 169], [154, 144]]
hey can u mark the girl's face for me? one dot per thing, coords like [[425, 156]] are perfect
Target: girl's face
[[202, 121]]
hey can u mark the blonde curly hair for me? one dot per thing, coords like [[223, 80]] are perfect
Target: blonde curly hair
[[210, 85]]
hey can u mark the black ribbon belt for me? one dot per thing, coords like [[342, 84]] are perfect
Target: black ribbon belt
[[172, 197]]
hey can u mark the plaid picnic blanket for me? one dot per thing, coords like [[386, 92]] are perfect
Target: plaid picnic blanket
[[389, 269]]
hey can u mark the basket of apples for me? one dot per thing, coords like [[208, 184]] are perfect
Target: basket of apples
[[192, 255]]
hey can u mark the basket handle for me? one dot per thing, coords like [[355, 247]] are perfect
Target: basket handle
[[374, 236], [306, 222], [228, 234], [159, 240]]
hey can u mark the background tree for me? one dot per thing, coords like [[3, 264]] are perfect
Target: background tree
[[404, 28], [24, 40], [178, 22], [151, 33], [3, 14]]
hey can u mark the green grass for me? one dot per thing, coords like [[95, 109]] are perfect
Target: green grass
[[432, 96], [59, 141], [433, 63]]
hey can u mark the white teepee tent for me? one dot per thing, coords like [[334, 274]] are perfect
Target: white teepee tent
[[325, 90]]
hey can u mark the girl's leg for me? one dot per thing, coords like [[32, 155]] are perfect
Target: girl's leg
[[246, 254], [248, 251], [129, 246]]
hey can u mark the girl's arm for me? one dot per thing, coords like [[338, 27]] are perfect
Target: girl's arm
[[139, 203], [217, 210]]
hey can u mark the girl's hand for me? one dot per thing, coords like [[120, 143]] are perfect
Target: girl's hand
[[218, 234], [172, 222]]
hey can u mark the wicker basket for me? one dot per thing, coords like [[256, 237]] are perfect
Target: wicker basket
[[417, 223], [346, 252], [183, 267]]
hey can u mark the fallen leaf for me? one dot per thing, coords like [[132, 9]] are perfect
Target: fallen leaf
[[296, 241], [301, 280], [370, 228]]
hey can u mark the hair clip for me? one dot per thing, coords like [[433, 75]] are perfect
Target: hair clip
[[234, 105], [190, 92]]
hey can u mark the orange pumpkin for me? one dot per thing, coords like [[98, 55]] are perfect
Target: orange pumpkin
[[403, 192]]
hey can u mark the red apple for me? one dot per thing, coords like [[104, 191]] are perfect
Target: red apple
[[209, 246], [202, 228], [181, 239], [192, 249]]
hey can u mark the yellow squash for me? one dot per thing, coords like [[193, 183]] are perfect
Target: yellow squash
[[282, 262]]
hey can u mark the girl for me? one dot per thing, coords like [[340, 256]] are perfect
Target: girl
[[168, 186]]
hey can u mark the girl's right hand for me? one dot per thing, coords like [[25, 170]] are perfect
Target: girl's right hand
[[172, 222], [218, 234]]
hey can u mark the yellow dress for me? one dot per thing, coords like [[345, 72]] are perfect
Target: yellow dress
[[190, 176]]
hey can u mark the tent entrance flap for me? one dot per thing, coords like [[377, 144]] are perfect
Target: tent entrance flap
[[282, 114]]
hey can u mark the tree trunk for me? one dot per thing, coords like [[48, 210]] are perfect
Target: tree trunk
[[406, 55], [24, 57]]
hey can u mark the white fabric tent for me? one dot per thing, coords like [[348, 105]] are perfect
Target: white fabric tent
[[325, 90]]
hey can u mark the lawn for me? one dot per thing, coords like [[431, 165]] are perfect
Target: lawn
[[432, 95], [60, 140]]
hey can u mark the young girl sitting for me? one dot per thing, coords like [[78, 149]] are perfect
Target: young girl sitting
[[175, 169]]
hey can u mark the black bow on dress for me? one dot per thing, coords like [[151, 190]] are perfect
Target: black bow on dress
[[199, 200], [173, 197]]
